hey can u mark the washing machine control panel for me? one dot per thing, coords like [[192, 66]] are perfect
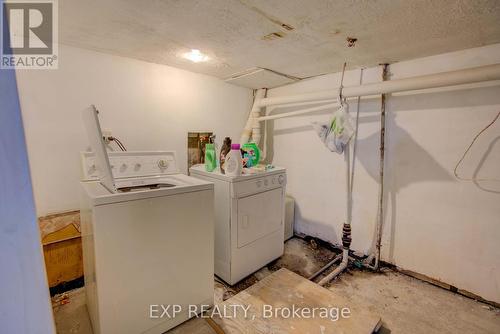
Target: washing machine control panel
[[258, 185], [131, 164]]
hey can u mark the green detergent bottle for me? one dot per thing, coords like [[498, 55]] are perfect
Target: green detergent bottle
[[210, 157], [252, 152]]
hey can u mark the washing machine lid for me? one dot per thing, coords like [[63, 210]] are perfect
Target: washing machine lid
[[131, 189], [91, 122]]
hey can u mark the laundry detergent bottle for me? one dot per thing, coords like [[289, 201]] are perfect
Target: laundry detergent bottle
[[234, 163], [252, 152], [210, 157], [224, 151]]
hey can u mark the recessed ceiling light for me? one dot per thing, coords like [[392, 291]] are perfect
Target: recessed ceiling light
[[195, 56]]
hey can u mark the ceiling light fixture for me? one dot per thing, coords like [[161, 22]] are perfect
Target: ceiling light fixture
[[195, 56]]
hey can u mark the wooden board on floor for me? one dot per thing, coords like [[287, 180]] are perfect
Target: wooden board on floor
[[285, 289], [193, 326]]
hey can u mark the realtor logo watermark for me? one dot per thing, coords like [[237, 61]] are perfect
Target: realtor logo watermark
[[230, 311], [29, 34]]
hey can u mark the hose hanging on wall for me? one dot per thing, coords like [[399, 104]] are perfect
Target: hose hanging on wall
[[455, 170]]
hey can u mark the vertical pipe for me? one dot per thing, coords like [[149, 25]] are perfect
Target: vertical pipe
[[355, 138], [252, 126], [380, 217], [347, 156], [256, 124], [346, 229]]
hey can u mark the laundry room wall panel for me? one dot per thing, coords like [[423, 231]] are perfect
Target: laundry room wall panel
[[434, 224], [147, 106]]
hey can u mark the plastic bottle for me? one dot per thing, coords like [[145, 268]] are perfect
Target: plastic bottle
[[253, 154], [210, 158], [234, 163], [226, 148]]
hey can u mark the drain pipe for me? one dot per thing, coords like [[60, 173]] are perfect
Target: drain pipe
[[346, 234], [346, 243], [346, 229], [380, 217], [325, 267]]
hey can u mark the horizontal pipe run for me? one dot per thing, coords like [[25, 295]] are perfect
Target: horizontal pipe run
[[300, 104], [299, 112], [338, 270], [325, 267], [452, 78]]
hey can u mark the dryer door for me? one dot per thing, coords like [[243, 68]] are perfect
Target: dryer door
[[259, 215]]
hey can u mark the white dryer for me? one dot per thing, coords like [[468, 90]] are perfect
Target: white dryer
[[249, 220], [147, 243]]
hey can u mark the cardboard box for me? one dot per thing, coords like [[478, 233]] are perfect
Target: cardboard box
[[62, 247]]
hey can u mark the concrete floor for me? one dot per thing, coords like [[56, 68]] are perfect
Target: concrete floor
[[406, 305]]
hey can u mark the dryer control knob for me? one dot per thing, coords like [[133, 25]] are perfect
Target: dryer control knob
[[281, 179]]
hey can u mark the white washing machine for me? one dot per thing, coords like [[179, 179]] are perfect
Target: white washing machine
[[147, 243], [249, 220]]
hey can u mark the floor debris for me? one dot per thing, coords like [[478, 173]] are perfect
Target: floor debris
[[419, 307]]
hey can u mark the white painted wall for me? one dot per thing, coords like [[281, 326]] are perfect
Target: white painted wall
[[25, 306], [434, 224], [147, 106]]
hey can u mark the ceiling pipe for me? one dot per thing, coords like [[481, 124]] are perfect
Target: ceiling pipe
[[443, 79], [299, 112], [252, 130]]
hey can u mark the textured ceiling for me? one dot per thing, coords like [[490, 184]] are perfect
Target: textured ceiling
[[300, 38]]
